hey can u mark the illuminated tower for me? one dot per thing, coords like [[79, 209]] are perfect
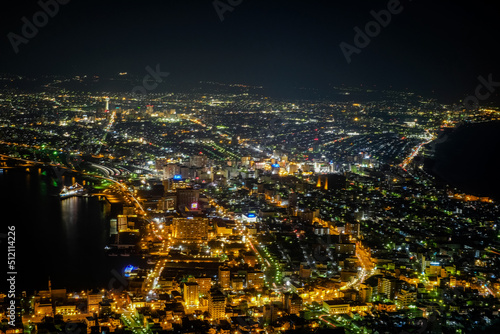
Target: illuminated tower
[[107, 104], [326, 183], [318, 185]]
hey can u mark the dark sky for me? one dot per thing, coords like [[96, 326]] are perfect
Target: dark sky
[[434, 47]]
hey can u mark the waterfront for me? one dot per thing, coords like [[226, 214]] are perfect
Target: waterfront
[[60, 239]]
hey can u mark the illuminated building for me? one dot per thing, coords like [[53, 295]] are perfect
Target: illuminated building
[[191, 293], [237, 283], [186, 198], [255, 279], [293, 303], [191, 229], [66, 309], [250, 258], [249, 218], [167, 203], [406, 298], [93, 300], [216, 304], [43, 309], [173, 184], [170, 170], [387, 286], [113, 226], [127, 222], [336, 307], [224, 277], [205, 284]]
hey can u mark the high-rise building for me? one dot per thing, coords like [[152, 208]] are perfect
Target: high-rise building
[[171, 170], [387, 286], [224, 277], [191, 293], [205, 284], [122, 223], [113, 226], [216, 304], [190, 229], [188, 198], [126, 222], [270, 313], [293, 303]]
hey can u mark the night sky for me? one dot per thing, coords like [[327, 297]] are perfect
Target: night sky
[[438, 48]]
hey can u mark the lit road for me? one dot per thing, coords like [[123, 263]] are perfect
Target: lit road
[[367, 267], [415, 151], [153, 277], [328, 322], [133, 323]]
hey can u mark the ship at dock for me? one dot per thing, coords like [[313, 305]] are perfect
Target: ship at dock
[[74, 190]]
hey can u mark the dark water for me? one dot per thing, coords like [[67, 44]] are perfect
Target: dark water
[[60, 239], [468, 157]]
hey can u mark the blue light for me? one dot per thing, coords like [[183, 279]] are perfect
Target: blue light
[[129, 268], [251, 215], [275, 165], [177, 177]]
